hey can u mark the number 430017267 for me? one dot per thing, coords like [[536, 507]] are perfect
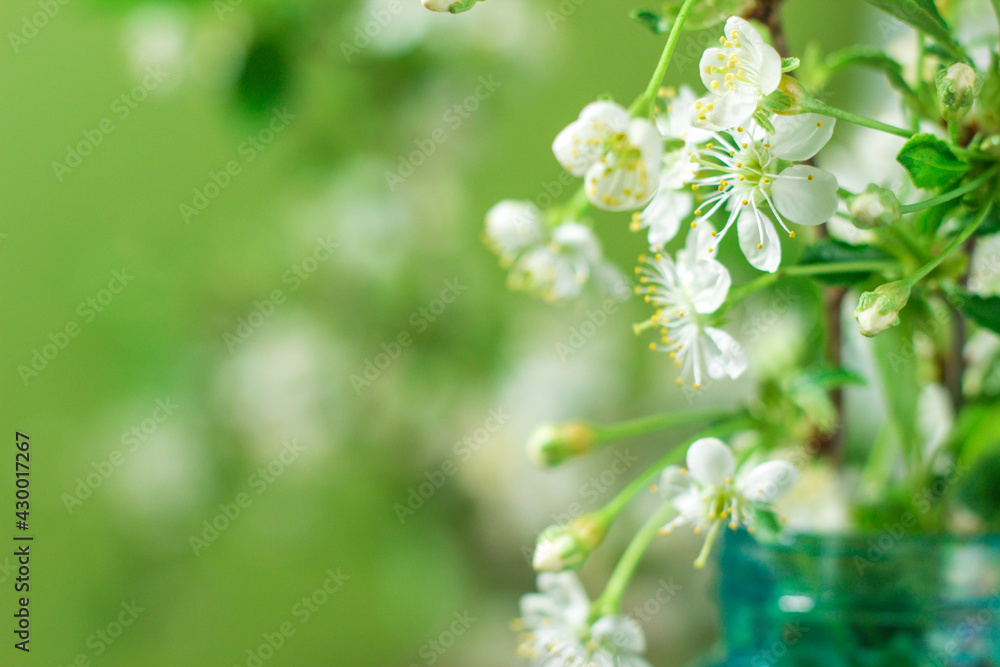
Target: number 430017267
[[22, 480]]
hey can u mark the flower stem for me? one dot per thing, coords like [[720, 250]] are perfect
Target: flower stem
[[738, 294], [706, 548], [643, 105], [815, 106], [948, 196], [610, 601], [659, 422], [956, 243]]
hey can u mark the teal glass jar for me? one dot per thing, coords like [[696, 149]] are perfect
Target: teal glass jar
[[882, 600]]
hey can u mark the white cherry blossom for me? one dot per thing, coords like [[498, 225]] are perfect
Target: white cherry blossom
[[737, 74], [555, 629], [752, 175], [617, 155], [709, 492], [684, 293]]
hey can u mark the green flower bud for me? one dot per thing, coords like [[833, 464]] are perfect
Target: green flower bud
[[788, 99], [879, 310], [875, 207], [957, 88], [567, 547], [450, 6], [551, 444]]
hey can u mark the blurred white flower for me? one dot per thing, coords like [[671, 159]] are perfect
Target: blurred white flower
[[984, 269], [558, 265], [737, 74], [512, 226], [684, 292], [935, 419], [157, 36], [618, 156], [670, 205], [555, 631], [705, 492]]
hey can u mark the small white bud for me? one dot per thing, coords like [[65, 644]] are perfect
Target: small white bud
[[875, 207], [879, 310], [567, 547], [957, 88], [551, 444]]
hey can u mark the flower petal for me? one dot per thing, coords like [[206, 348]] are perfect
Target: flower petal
[[563, 591], [805, 195], [768, 481], [758, 239], [762, 58], [721, 112], [581, 143], [725, 356], [710, 462], [663, 215], [674, 483], [624, 632], [800, 137], [707, 282], [513, 225]]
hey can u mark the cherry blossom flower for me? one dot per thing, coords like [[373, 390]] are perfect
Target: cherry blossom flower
[[555, 629], [684, 293], [618, 156], [737, 74]]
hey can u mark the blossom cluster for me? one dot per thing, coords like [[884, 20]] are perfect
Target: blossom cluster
[[721, 155]]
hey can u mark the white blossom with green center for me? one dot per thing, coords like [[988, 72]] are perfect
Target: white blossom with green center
[[753, 176]]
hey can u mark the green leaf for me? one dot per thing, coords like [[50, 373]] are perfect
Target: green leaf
[[826, 376], [706, 13], [653, 22], [924, 16], [991, 225], [983, 310], [930, 162], [829, 251], [790, 64], [977, 431]]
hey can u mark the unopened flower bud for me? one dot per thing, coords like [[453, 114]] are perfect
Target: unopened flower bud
[[567, 547], [957, 88], [875, 207], [449, 6], [551, 444], [788, 99], [879, 310]]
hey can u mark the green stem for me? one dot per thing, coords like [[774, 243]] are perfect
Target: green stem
[[659, 422], [956, 243], [610, 601], [948, 196], [815, 106], [643, 105], [706, 548], [741, 292]]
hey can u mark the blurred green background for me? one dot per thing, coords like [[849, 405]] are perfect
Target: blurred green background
[[247, 314]]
